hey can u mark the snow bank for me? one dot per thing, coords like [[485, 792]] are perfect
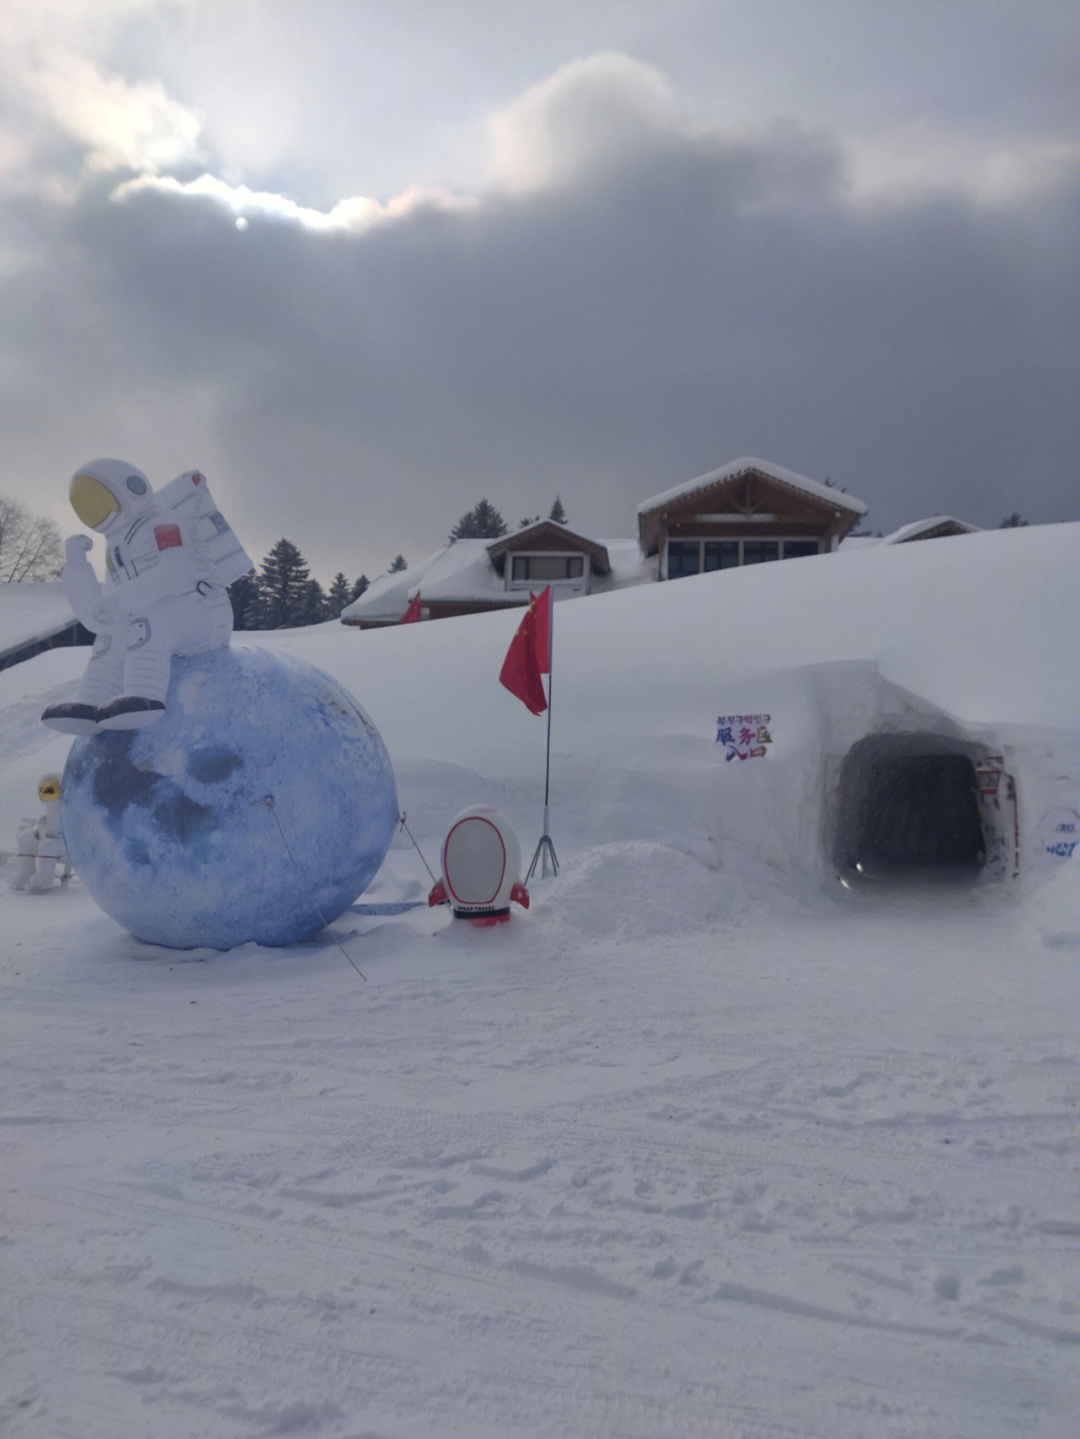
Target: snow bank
[[31, 611], [1054, 909], [681, 1150]]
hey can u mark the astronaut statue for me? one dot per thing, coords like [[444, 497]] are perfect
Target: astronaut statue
[[170, 558], [39, 848]]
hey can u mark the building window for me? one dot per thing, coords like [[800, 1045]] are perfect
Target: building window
[[547, 569], [694, 557], [758, 552], [721, 554], [683, 558]]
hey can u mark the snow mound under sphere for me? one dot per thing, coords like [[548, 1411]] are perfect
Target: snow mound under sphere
[[257, 809]]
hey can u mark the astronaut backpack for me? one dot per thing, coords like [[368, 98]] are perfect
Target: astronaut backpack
[[189, 498]]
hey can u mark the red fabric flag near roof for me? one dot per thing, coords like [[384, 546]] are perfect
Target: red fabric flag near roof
[[541, 608], [412, 614], [529, 655]]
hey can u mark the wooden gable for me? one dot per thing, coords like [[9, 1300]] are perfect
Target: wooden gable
[[547, 537], [749, 503]]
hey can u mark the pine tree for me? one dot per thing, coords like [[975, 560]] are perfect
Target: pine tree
[[482, 522], [283, 594], [558, 513], [338, 596], [312, 609], [244, 598], [359, 588], [398, 564], [1012, 522]]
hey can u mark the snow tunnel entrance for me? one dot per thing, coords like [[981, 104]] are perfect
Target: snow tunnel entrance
[[908, 805]]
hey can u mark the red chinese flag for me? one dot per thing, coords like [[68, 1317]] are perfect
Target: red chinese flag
[[412, 614], [529, 655], [541, 608]]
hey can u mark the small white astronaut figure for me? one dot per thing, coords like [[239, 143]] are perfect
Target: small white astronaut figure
[[170, 559], [39, 849]]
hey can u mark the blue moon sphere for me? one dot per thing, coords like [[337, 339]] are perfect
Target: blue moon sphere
[[256, 809]]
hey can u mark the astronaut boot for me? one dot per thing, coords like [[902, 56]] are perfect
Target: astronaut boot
[[130, 712], [43, 875], [74, 717], [23, 870], [104, 676], [147, 663]]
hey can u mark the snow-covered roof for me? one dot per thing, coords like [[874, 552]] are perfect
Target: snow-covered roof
[[32, 611], [745, 465], [463, 573], [934, 524], [628, 565]]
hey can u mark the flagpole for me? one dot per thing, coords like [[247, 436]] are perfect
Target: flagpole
[[545, 849]]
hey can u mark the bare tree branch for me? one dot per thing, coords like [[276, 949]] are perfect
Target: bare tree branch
[[30, 546]]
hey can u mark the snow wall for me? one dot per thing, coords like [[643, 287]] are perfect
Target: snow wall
[[798, 802], [856, 777]]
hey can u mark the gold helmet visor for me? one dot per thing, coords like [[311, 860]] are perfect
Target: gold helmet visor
[[92, 501], [48, 788]]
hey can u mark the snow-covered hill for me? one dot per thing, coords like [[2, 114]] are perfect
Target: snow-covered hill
[[702, 1144], [31, 612]]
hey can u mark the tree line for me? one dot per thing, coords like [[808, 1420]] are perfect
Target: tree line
[[483, 521], [282, 594]]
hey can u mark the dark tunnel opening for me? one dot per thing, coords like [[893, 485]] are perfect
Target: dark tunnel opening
[[908, 806]]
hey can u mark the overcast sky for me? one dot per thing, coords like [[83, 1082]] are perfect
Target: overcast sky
[[367, 263]]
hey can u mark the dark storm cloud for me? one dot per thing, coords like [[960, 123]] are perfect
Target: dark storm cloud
[[603, 340]]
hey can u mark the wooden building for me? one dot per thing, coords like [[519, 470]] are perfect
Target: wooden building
[[746, 513]]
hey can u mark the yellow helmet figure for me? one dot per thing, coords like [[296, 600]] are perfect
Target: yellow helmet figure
[[104, 489], [48, 789]]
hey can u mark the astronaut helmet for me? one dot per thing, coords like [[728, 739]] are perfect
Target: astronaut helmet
[[481, 867], [105, 492], [48, 790]]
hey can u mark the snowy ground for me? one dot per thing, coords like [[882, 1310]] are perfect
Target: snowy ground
[[679, 1152]]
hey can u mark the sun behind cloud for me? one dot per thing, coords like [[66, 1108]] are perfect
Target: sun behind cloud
[[590, 112]]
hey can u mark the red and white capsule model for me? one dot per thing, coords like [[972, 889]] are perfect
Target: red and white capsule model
[[481, 868]]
